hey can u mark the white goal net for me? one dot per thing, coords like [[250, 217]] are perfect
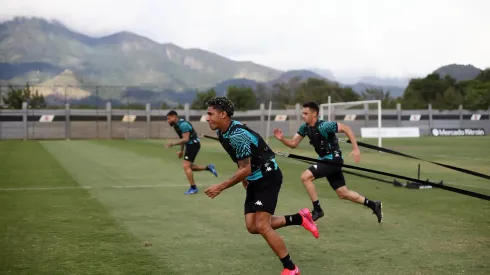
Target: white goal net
[[328, 112]]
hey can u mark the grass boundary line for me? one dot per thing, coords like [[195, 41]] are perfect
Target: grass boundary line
[[97, 187]]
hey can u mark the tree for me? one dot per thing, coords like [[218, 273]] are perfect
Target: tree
[[201, 97], [262, 94], [15, 98], [477, 95], [164, 106], [318, 90], [431, 89], [387, 102], [286, 93], [484, 76], [243, 97]]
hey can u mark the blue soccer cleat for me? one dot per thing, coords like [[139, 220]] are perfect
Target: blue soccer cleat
[[192, 191], [212, 169]]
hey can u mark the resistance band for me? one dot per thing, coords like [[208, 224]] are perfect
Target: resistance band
[[373, 147], [445, 187]]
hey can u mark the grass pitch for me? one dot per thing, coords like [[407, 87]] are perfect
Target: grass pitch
[[88, 207]]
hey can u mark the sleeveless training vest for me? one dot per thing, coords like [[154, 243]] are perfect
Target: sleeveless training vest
[[192, 134], [261, 155], [323, 146]]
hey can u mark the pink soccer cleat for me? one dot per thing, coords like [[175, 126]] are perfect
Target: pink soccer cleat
[[291, 272], [308, 222]]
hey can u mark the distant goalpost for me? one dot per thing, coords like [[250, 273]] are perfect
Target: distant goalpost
[[332, 106]]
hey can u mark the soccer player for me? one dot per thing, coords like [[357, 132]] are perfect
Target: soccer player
[[189, 140], [322, 135], [260, 176]]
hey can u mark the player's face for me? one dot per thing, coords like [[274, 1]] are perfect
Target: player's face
[[214, 117], [308, 115], [171, 120]]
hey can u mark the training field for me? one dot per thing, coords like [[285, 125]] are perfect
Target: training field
[[87, 207]]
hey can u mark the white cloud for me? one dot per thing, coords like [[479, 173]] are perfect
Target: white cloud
[[387, 38]]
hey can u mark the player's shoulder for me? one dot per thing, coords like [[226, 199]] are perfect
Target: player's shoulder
[[322, 122], [237, 130], [302, 127], [328, 126], [240, 133]]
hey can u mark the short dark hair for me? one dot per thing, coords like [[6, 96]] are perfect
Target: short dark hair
[[313, 106], [223, 104], [172, 113]]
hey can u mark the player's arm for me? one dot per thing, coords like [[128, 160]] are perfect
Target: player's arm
[[241, 144], [182, 141], [342, 128], [291, 143], [244, 170], [185, 128]]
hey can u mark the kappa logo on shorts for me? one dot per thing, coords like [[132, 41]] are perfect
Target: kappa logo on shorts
[[186, 157], [259, 203], [315, 166]]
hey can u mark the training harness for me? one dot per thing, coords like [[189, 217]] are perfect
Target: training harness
[[262, 155], [192, 134], [324, 146]]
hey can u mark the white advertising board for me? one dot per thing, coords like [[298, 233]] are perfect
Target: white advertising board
[[390, 132]]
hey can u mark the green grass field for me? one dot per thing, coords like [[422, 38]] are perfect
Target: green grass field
[[87, 207]]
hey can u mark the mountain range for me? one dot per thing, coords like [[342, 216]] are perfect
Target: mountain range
[[46, 52]]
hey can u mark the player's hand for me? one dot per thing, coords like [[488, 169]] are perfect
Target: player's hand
[[180, 154], [245, 183], [278, 133], [356, 154], [213, 190]]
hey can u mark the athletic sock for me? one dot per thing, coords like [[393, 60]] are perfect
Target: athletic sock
[[295, 219], [369, 203], [193, 186], [287, 262], [207, 168], [316, 206]]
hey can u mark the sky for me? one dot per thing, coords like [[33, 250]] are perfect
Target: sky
[[383, 38]]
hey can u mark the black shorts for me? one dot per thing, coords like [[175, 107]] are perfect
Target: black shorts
[[191, 151], [262, 194], [332, 172]]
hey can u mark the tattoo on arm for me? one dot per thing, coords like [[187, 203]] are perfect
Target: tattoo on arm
[[239, 175]]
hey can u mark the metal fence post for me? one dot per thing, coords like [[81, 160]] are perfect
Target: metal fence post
[[187, 112], [108, 110], [398, 115], [67, 121], [24, 120], [366, 114], [430, 117], [148, 120], [460, 115], [262, 113]]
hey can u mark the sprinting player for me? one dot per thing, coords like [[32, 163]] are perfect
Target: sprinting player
[[189, 140], [260, 176], [323, 139]]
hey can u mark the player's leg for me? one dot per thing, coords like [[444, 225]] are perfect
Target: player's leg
[[259, 210], [195, 148], [337, 182], [268, 198], [190, 177], [275, 241], [313, 172], [190, 154]]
